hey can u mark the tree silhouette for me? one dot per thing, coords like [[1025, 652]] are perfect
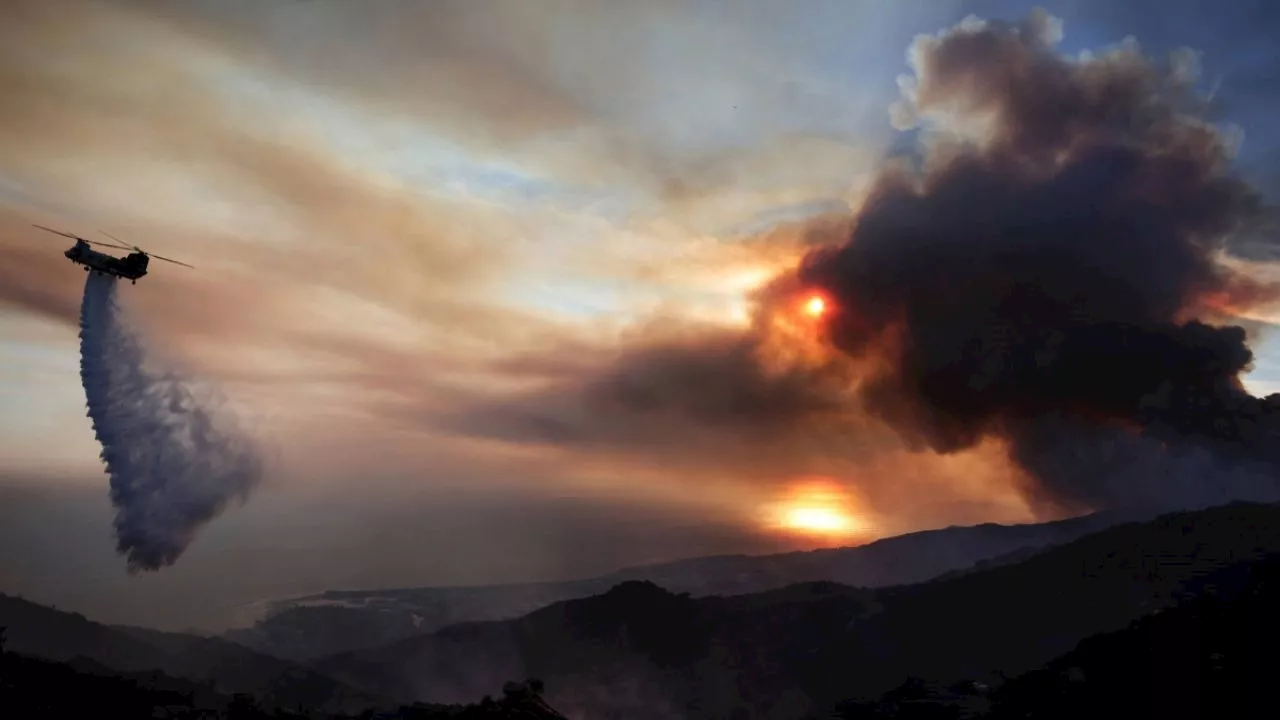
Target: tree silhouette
[[242, 707]]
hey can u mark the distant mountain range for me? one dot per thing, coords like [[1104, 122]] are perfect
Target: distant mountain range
[[223, 666], [338, 621], [1175, 614], [639, 651]]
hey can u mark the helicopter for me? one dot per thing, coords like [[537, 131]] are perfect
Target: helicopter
[[130, 267]]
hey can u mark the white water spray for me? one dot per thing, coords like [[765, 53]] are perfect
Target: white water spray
[[175, 462]]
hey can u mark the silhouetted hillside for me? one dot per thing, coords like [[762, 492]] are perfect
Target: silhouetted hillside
[[1212, 656], [1015, 617], [639, 649], [55, 635], [35, 688], [340, 621]]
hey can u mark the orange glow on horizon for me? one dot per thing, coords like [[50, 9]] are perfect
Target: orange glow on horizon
[[818, 508], [817, 519]]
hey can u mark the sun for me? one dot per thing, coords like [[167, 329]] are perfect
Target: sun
[[817, 519], [815, 306], [818, 509]]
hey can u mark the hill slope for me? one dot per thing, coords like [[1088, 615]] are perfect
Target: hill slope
[[32, 687], [43, 632], [638, 648], [1209, 657], [1212, 657], [340, 621]]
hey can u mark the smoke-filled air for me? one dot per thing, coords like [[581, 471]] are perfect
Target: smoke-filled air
[[1052, 270], [1046, 274], [174, 459], [401, 314]]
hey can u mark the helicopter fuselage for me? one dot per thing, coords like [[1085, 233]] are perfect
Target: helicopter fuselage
[[131, 267]]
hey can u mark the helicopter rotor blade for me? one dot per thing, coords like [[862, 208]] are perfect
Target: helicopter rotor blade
[[144, 252], [119, 246], [59, 232], [175, 262], [110, 245]]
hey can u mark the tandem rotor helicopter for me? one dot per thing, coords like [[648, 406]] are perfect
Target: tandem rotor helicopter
[[130, 267]]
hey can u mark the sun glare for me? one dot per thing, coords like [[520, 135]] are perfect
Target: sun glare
[[818, 519], [815, 306], [817, 509]]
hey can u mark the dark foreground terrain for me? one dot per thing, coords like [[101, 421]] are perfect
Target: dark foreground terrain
[[228, 668], [35, 688], [1212, 656], [1171, 618]]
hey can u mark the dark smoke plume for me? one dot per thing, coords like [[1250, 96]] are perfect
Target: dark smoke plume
[[174, 463], [1045, 274]]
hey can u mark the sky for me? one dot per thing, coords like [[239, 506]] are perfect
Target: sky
[[428, 236]]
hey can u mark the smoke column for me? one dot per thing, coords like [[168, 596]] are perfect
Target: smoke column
[[1050, 272], [174, 463]]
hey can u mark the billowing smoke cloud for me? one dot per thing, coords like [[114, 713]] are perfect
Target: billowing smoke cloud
[[175, 463], [1051, 277], [1043, 274]]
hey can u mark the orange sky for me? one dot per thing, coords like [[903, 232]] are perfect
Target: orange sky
[[412, 220], [375, 246]]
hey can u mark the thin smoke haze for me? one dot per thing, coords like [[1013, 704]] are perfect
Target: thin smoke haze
[[174, 460]]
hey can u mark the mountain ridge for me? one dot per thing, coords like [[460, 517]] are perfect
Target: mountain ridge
[[639, 650], [340, 620], [803, 648], [59, 636]]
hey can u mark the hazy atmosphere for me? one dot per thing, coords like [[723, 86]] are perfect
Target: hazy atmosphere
[[509, 291]]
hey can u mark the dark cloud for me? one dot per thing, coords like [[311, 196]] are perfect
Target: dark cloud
[[1041, 277], [1044, 273], [703, 397]]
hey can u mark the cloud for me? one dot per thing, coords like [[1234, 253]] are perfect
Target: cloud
[[292, 181], [31, 279], [1042, 275], [541, 227], [705, 397], [664, 109], [1040, 280], [296, 244]]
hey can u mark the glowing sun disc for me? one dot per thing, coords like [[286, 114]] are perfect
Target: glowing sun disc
[[815, 306], [819, 509], [817, 519]]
